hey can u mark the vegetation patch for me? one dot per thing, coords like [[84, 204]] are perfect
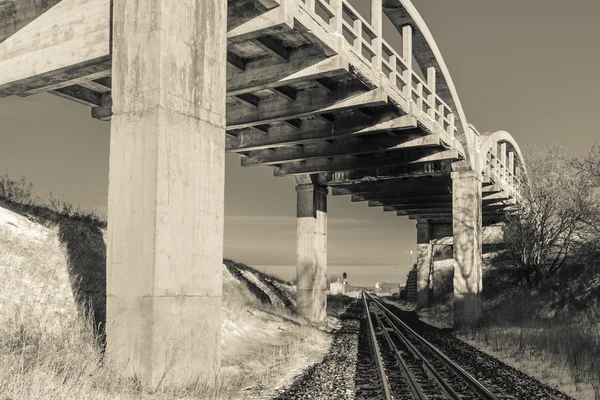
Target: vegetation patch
[[542, 291], [52, 315]]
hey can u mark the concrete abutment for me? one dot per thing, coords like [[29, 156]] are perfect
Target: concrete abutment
[[166, 190]]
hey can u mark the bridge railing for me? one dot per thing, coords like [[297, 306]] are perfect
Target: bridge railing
[[367, 42], [506, 176]]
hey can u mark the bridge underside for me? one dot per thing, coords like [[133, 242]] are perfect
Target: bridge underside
[[345, 113]]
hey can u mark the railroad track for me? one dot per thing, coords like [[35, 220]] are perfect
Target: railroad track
[[410, 367]]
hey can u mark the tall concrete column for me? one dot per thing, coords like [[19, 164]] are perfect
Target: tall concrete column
[[166, 189], [424, 261], [466, 228], [311, 251]]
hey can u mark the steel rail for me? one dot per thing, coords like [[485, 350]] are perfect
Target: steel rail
[[468, 378], [432, 372], [412, 381], [380, 369]]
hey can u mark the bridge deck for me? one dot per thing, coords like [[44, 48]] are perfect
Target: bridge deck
[[313, 87]]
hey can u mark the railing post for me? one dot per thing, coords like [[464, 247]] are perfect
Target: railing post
[[310, 5], [441, 110], [431, 96], [358, 41], [338, 8], [451, 124], [407, 56], [420, 96], [503, 170], [495, 160], [393, 67], [377, 24], [511, 168]]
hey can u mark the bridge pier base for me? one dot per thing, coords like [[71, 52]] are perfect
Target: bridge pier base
[[311, 251], [466, 229], [424, 263], [166, 190]]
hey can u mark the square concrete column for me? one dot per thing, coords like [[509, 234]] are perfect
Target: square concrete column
[[466, 228], [424, 263], [166, 189], [311, 251]]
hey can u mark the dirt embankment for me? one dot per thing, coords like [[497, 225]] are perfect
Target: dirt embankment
[[54, 291]]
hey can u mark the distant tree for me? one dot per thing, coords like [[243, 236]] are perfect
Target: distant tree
[[557, 198], [589, 167]]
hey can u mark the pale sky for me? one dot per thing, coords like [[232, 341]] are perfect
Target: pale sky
[[526, 66]]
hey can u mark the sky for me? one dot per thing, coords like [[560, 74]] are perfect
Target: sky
[[529, 67]]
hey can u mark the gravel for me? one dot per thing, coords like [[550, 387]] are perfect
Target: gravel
[[334, 377], [499, 377], [349, 372]]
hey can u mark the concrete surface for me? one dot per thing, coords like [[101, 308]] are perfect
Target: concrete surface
[[166, 190], [466, 227], [311, 251]]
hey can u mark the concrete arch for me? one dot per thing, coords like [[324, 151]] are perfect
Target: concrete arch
[[489, 139], [427, 54]]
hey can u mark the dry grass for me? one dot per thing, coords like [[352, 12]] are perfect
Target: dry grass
[[528, 330], [51, 349], [48, 348], [337, 304], [560, 349]]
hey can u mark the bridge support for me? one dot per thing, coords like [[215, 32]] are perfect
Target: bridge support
[[311, 251], [166, 189], [424, 264], [466, 227]]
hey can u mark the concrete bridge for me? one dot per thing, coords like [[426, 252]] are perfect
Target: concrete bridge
[[311, 88]]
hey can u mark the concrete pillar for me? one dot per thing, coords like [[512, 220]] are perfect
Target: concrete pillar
[[311, 251], [466, 227], [424, 261], [166, 189]]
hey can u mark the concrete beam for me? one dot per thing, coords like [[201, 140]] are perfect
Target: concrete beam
[[166, 190], [60, 44], [422, 207], [18, 13], [236, 61], [311, 251], [410, 187], [304, 64], [384, 173], [420, 210], [79, 94], [317, 131], [349, 146], [272, 47], [397, 197], [377, 161], [467, 227], [413, 202], [275, 20], [436, 218], [306, 104]]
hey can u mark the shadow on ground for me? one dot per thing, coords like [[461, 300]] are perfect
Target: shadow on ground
[[86, 260]]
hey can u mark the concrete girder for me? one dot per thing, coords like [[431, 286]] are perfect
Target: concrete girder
[[349, 163], [347, 147], [317, 131]]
